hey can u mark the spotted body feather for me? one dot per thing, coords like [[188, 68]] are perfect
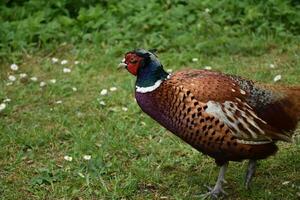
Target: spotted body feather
[[224, 127]]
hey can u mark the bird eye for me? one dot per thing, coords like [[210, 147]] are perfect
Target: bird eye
[[133, 61]]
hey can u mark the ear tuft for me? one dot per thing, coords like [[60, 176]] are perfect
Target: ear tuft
[[153, 51]]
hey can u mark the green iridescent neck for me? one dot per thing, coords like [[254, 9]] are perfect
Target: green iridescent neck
[[151, 73]]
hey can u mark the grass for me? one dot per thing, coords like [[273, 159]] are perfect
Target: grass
[[218, 26], [132, 157]]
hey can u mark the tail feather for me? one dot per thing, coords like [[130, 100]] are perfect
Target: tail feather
[[293, 94], [283, 113]]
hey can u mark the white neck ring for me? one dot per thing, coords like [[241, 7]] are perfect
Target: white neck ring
[[149, 88]]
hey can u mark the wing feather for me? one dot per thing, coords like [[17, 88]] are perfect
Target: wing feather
[[230, 103]]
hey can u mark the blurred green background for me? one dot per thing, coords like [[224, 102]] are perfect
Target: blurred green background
[[207, 27]]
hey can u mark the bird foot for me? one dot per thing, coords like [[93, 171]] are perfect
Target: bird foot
[[217, 191], [214, 193], [247, 184]]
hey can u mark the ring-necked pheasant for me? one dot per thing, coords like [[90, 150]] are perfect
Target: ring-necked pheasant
[[224, 116]]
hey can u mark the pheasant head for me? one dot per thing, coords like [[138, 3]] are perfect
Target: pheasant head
[[146, 67]]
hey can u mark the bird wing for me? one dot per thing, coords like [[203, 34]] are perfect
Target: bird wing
[[226, 100]]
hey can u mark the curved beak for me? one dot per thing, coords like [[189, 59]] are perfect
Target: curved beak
[[122, 65]]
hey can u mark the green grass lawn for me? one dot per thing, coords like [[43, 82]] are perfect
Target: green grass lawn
[[132, 157]]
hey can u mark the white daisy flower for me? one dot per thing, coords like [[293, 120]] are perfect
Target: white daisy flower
[[59, 102], [68, 158], [103, 92], [14, 67], [272, 66], [53, 81], [12, 78], [207, 10], [169, 70], [76, 62], [277, 78], [74, 89], [285, 182], [207, 67], [66, 70], [80, 114], [23, 75], [2, 106], [113, 89], [124, 109], [195, 59], [23, 78], [34, 79], [64, 62], [6, 100], [113, 109], [87, 157], [102, 103], [42, 84], [54, 60]]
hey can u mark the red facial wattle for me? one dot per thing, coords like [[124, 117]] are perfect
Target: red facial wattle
[[133, 63], [133, 68]]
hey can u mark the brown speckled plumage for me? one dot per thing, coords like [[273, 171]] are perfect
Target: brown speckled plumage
[[183, 100], [226, 117]]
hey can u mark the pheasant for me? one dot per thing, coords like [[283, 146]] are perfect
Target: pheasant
[[223, 116]]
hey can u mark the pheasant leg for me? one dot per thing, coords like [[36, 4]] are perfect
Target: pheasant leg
[[217, 190], [250, 172]]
